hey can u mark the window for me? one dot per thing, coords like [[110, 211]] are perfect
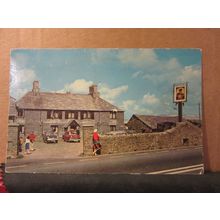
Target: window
[[54, 114], [87, 115], [112, 115], [57, 114], [112, 127], [49, 114], [20, 113], [90, 115], [71, 115], [11, 118]]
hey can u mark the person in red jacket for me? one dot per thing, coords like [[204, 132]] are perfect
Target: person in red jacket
[[32, 138], [96, 143]]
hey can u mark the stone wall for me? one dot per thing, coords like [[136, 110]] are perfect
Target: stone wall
[[184, 134], [12, 135], [87, 139]]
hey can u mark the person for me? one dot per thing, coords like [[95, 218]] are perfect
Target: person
[[2, 184], [20, 143], [32, 137], [77, 130], [96, 142], [180, 94], [27, 145]]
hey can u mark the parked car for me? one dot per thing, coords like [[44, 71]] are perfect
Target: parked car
[[50, 138], [71, 136]]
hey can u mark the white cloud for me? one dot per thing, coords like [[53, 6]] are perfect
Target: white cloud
[[128, 104], [171, 64], [138, 57], [190, 73], [81, 86], [136, 74], [20, 60], [20, 80], [78, 86], [101, 54], [155, 69], [132, 106], [150, 99], [111, 94], [21, 77], [149, 77], [138, 109]]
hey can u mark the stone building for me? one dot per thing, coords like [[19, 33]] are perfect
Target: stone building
[[13, 126], [12, 110], [42, 111], [154, 123], [151, 123]]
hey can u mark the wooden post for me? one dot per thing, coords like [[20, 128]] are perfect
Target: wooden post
[[180, 111]]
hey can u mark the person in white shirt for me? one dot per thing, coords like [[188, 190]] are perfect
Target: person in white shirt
[[27, 145]]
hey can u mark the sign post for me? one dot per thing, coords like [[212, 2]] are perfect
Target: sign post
[[180, 111], [179, 97]]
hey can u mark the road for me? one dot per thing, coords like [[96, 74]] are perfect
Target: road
[[181, 161]]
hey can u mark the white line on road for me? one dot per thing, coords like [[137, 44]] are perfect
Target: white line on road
[[90, 159], [186, 171], [60, 162], [112, 157], [167, 150], [177, 169], [19, 166]]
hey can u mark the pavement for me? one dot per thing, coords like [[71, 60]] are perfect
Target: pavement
[[52, 150]]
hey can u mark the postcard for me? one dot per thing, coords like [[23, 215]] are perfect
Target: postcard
[[105, 110]]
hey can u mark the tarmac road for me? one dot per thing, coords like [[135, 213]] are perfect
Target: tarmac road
[[181, 161]]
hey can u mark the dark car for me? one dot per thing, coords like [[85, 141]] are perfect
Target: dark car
[[71, 136], [50, 138]]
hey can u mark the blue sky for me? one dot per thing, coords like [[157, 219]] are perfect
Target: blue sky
[[137, 80]]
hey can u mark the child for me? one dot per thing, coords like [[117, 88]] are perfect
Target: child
[[20, 143], [27, 145]]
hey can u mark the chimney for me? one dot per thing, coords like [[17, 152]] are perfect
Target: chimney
[[36, 88], [93, 91]]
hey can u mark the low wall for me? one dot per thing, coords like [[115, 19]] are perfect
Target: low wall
[[12, 139], [184, 134], [12, 135]]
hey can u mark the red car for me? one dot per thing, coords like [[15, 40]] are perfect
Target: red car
[[71, 136]]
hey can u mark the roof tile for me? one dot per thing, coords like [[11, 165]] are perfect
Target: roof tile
[[64, 101]]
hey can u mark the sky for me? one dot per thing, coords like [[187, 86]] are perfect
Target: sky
[[139, 81]]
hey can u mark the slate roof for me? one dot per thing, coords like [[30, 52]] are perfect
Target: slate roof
[[152, 120], [70, 122], [12, 107], [64, 101]]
